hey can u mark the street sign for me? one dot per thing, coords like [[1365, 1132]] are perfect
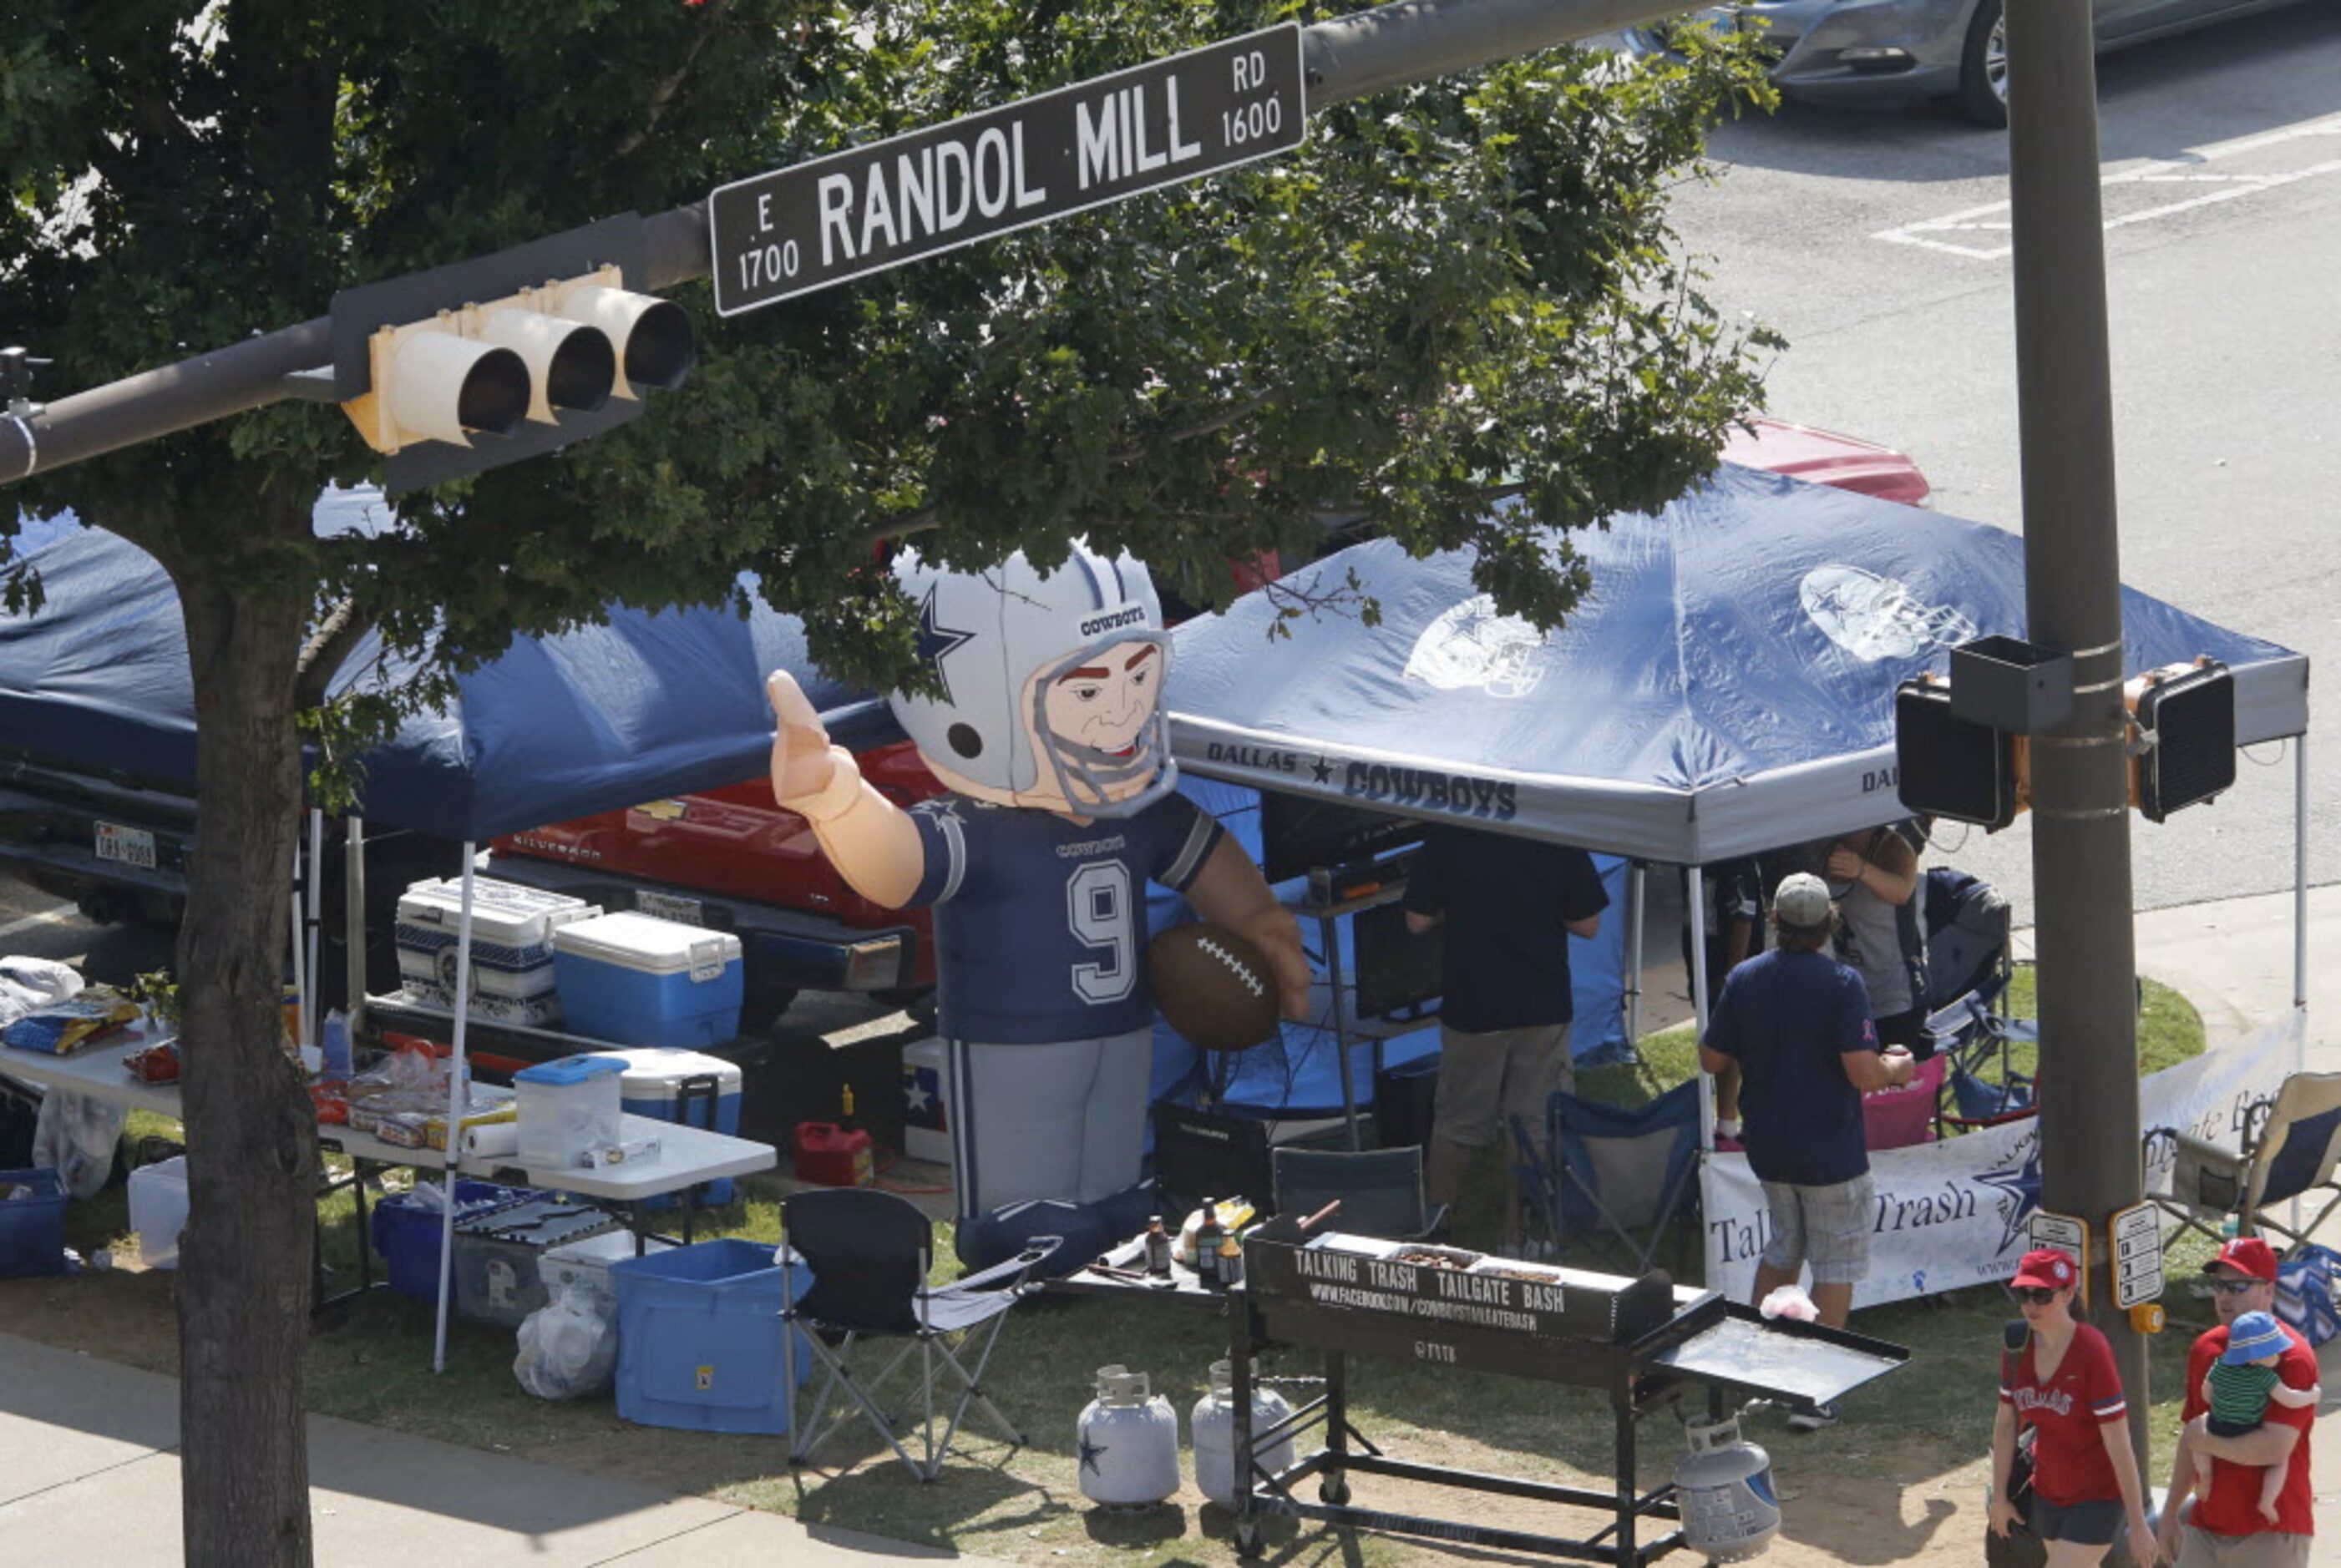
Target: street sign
[[2137, 1256], [792, 230]]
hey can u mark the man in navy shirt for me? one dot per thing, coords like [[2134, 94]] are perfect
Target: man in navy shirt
[[1509, 906], [1796, 1023]]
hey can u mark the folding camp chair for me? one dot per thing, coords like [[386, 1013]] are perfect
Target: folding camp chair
[[1983, 1086], [1380, 1190], [869, 1253], [1625, 1170], [2292, 1141]]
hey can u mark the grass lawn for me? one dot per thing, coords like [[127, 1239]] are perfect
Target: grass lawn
[[1923, 1422]]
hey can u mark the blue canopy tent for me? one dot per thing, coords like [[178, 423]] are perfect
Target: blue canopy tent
[[1725, 687]]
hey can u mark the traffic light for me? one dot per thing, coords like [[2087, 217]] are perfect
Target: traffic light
[[470, 366], [1947, 766], [2185, 751]]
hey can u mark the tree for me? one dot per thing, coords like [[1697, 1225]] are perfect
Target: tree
[[1452, 288]]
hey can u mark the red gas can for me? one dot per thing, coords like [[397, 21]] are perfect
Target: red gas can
[[833, 1156]]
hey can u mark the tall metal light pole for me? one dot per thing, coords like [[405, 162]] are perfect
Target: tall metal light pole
[[2090, 1157]]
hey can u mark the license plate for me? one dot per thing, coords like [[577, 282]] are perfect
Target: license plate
[[131, 846], [667, 907]]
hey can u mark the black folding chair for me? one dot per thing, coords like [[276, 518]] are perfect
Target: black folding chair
[[1380, 1190], [869, 1253]]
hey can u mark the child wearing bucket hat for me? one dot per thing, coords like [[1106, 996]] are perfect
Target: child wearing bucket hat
[[2238, 1389]]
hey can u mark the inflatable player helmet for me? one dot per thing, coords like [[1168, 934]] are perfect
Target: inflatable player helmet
[[999, 641]]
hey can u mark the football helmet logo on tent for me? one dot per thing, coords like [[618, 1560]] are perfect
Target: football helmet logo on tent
[[1472, 645], [1873, 617], [1050, 685]]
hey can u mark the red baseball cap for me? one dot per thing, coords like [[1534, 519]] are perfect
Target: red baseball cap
[[2245, 1255], [2046, 1268]]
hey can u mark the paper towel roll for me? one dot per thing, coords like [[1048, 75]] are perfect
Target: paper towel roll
[[494, 1141]]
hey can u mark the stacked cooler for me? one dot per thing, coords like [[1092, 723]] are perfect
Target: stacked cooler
[[513, 927]]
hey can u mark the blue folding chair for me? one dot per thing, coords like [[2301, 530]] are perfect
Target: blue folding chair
[[1623, 1170]]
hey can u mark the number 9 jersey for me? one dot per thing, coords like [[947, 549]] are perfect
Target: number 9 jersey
[[1040, 921]]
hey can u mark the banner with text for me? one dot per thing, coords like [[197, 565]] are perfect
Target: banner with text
[[1954, 1213]]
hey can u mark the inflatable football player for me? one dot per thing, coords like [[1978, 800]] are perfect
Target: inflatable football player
[[1047, 730]]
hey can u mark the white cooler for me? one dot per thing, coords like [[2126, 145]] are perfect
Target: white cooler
[[926, 1119], [586, 1266], [513, 978], [643, 981], [670, 1085]]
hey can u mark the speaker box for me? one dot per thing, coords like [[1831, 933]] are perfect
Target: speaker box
[[1404, 1098]]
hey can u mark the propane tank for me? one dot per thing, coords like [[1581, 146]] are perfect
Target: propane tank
[[1128, 1442], [1215, 1434], [1731, 1509]]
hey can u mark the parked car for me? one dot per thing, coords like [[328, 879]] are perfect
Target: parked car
[[1878, 52], [727, 858]]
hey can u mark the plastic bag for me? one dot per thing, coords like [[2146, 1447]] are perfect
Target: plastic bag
[[2304, 1292], [567, 1348], [1790, 1301], [76, 1136]]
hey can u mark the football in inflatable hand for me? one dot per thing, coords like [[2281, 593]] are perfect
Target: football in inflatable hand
[[1214, 986]]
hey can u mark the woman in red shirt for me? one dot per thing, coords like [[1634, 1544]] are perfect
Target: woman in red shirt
[[2063, 1385]]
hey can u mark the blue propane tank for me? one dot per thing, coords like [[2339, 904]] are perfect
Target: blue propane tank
[[1128, 1442], [1731, 1509]]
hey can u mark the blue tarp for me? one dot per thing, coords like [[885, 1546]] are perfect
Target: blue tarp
[[597, 719], [1726, 687]]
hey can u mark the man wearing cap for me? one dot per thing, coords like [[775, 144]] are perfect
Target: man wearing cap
[[2225, 1526], [1796, 1023]]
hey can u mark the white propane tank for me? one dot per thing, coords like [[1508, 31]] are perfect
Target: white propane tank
[[1731, 1509], [1215, 1434], [1128, 1442]]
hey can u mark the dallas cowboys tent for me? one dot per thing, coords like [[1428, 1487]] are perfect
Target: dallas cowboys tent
[[1726, 687]]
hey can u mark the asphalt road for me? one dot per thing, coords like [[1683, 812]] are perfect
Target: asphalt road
[[1877, 242]]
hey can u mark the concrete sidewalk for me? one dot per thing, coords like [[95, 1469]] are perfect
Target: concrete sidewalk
[[89, 1473], [89, 1468]]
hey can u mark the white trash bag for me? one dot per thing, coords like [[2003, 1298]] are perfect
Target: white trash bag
[[567, 1348], [75, 1136]]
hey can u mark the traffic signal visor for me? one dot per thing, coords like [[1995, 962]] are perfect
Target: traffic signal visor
[[566, 347]]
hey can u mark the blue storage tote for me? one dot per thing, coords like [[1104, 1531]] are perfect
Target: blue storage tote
[[699, 1337], [642, 981], [406, 1228], [689, 1087], [33, 1223]]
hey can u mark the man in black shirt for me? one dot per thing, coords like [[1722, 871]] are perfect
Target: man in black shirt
[[1509, 906]]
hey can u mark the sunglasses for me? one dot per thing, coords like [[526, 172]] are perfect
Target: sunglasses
[[2037, 1295], [2236, 1286]]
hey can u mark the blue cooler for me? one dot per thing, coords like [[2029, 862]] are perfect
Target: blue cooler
[[642, 981], [689, 1087], [699, 1337]]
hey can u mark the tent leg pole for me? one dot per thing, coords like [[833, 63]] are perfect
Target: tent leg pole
[[461, 1002], [1694, 922], [312, 1003], [2300, 874], [1636, 907], [353, 920]]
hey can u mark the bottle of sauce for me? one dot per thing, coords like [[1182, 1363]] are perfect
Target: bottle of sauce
[[1207, 1244], [1231, 1263], [1157, 1248]]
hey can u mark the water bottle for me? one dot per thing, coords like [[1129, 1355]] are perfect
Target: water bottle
[[338, 1047]]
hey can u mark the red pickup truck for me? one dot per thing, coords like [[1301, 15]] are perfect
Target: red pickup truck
[[730, 859]]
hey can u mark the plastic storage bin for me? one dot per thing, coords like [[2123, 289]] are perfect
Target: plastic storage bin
[[158, 1210], [406, 1230], [689, 1087], [700, 1335], [33, 1223], [642, 981], [586, 1266], [511, 946], [926, 1118], [499, 1255], [568, 1108]]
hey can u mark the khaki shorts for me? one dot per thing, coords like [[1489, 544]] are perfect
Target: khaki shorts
[[2197, 1549], [1486, 1079], [1827, 1226]]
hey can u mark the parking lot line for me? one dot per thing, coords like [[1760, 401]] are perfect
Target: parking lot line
[[56, 915], [1984, 233]]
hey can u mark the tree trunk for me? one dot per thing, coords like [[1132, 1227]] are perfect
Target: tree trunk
[[245, 1274]]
